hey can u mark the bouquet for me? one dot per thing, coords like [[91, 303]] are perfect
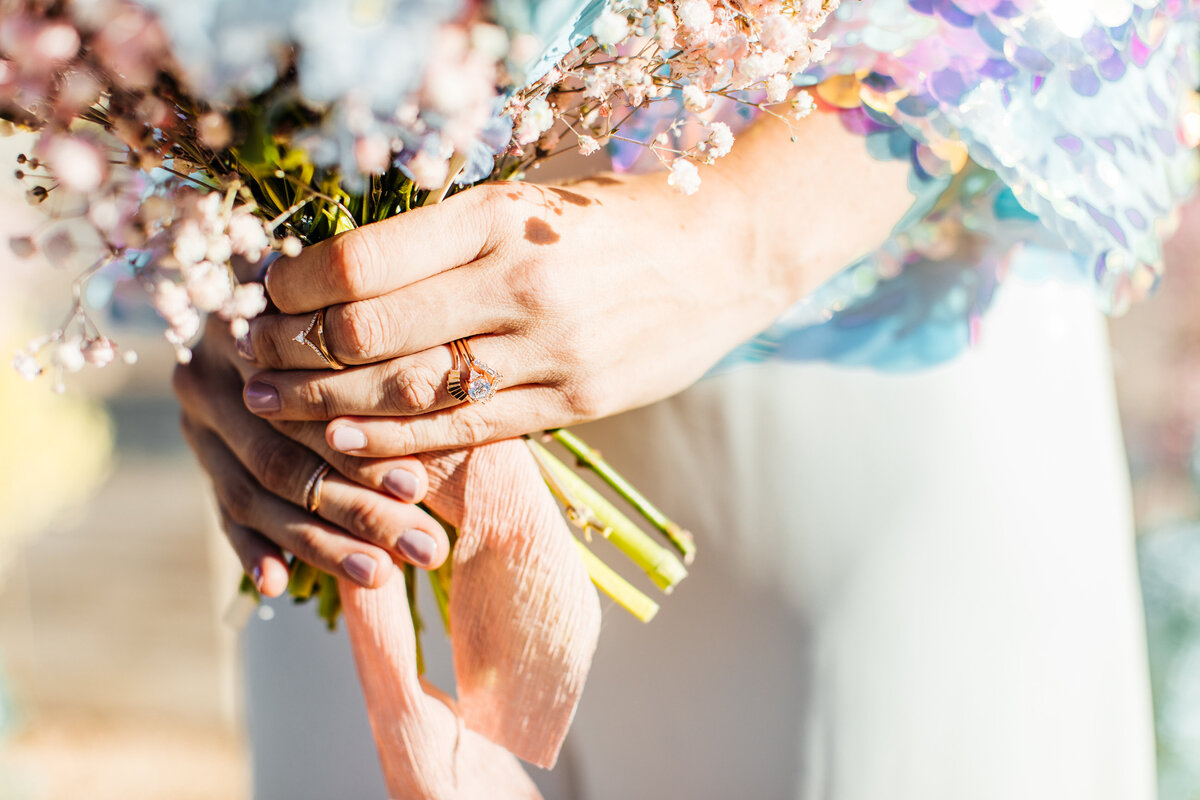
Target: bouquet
[[180, 147]]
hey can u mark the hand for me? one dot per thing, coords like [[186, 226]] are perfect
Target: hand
[[590, 300], [259, 473]]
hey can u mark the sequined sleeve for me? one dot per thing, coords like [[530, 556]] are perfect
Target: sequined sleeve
[[1060, 131]]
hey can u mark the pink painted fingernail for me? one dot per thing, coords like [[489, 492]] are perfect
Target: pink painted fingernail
[[418, 546], [347, 439], [360, 568], [245, 347], [401, 483], [262, 397]]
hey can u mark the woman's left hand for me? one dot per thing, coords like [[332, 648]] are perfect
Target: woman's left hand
[[590, 300]]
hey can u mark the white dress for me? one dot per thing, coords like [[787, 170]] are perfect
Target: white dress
[[913, 587]]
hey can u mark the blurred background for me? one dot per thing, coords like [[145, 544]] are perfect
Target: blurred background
[[118, 673]]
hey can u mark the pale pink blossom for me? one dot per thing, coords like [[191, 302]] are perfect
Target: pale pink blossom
[[100, 352], [248, 301], [695, 15], [78, 163], [588, 145], [209, 286], [248, 236]]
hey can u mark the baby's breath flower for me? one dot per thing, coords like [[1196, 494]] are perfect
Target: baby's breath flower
[[610, 28], [27, 366], [695, 98], [720, 140], [802, 105], [588, 145], [684, 176]]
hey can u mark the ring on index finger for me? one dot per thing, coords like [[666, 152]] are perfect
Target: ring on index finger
[[314, 337]]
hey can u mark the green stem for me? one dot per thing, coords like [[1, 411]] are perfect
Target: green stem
[[616, 587], [303, 580], [680, 538], [329, 599], [410, 586], [590, 510]]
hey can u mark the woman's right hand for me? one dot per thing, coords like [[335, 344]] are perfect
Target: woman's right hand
[[367, 517]]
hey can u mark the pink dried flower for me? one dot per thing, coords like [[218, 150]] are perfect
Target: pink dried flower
[[588, 145], [77, 162], [100, 352]]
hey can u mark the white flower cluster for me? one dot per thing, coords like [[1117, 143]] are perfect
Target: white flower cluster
[[192, 275], [643, 51]]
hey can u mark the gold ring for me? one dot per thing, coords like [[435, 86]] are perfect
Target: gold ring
[[314, 337], [312, 489], [470, 379]]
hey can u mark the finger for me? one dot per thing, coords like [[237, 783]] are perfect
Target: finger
[[402, 528], [287, 469], [455, 304], [404, 478], [312, 540], [382, 257], [261, 559], [214, 397], [513, 412], [404, 386]]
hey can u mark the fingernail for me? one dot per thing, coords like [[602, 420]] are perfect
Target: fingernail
[[346, 439], [401, 483], [418, 546], [245, 347], [262, 397], [360, 567], [256, 575]]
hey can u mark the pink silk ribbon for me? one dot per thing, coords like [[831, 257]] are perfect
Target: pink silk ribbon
[[524, 621]]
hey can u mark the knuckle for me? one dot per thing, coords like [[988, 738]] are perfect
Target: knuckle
[[586, 399], [306, 543], [273, 462], [472, 427], [267, 345], [415, 390], [238, 498], [365, 518], [352, 261], [314, 400], [357, 331]]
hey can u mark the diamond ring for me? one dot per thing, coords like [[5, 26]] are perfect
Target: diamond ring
[[314, 338], [470, 379]]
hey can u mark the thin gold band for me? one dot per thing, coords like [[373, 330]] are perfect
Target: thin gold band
[[312, 489], [314, 337]]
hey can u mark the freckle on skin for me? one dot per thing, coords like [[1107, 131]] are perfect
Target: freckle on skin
[[538, 231]]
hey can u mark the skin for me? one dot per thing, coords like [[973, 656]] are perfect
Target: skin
[[591, 299]]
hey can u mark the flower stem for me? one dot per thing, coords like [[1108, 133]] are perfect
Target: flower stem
[[410, 586], [329, 599], [303, 580], [680, 538], [589, 509], [616, 587]]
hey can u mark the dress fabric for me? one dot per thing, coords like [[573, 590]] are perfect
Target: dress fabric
[[913, 585]]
